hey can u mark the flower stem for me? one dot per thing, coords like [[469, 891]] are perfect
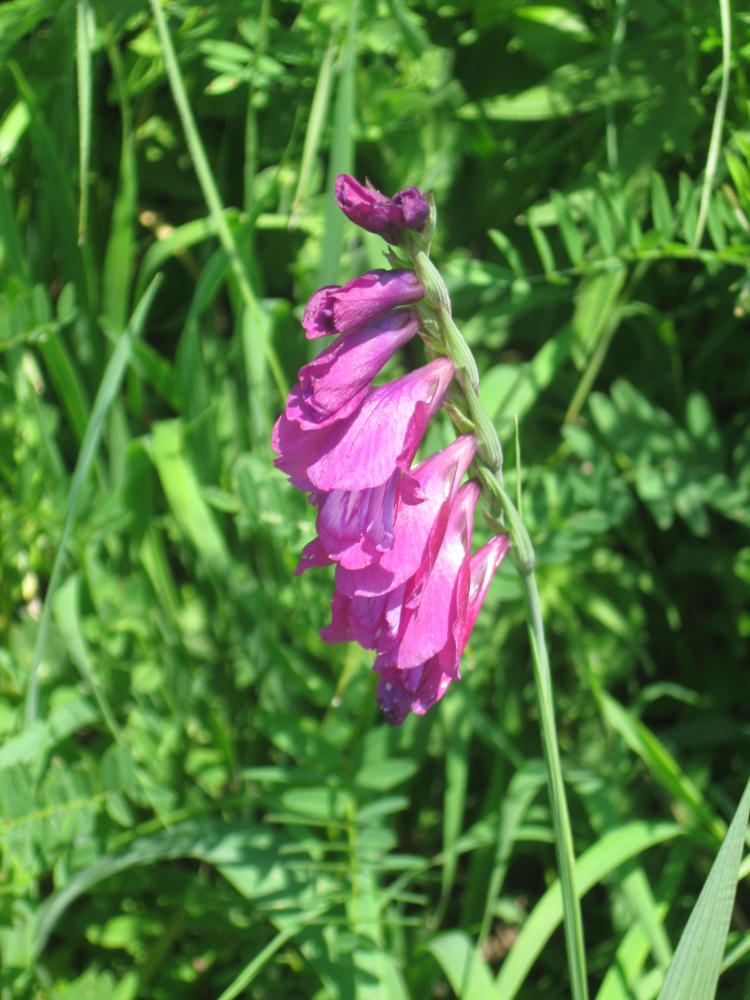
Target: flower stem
[[560, 819]]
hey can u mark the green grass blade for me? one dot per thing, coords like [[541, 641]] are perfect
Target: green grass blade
[[342, 153], [182, 489], [209, 187], [67, 382], [523, 788], [469, 975], [660, 762], [106, 395], [84, 38], [10, 243], [714, 149], [117, 274], [58, 193], [454, 800], [695, 969], [314, 134], [571, 906], [264, 956], [595, 864]]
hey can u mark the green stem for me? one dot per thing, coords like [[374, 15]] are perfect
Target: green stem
[[560, 819]]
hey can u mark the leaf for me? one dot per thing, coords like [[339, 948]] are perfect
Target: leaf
[[696, 966], [660, 762], [606, 856], [246, 855], [467, 972]]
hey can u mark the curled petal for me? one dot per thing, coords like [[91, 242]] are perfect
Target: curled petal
[[422, 508], [334, 384], [363, 450], [341, 309], [414, 690]]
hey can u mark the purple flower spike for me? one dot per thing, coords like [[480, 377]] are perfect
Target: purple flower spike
[[363, 450], [335, 309], [386, 217]]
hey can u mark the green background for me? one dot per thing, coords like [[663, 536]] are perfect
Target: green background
[[195, 791]]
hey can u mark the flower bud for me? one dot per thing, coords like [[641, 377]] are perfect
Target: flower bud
[[383, 216]]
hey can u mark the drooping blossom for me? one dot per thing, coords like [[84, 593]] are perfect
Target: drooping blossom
[[407, 585], [340, 309], [416, 688], [334, 384], [365, 448], [421, 627], [386, 217], [422, 509]]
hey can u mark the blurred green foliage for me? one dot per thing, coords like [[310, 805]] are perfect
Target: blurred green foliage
[[197, 796]]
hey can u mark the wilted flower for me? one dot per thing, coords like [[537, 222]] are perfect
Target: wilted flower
[[339, 309], [386, 217]]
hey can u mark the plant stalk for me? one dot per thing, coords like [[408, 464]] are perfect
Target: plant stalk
[[573, 922]]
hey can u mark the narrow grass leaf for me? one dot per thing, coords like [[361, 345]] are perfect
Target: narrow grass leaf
[[543, 248], [510, 253], [571, 237], [695, 969], [469, 975], [660, 762], [314, 134], [84, 39], [108, 390], [661, 207], [67, 382], [714, 149], [342, 152], [454, 801], [208, 184], [11, 254], [524, 786], [595, 864], [182, 489]]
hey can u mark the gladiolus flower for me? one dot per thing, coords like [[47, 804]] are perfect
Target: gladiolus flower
[[364, 449], [340, 309], [386, 217], [335, 383], [422, 508], [403, 689]]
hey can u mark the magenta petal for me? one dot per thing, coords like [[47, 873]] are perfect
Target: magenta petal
[[338, 379], [335, 309], [313, 556], [296, 448], [371, 622], [483, 566], [354, 526], [362, 451], [419, 526], [437, 622], [415, 690]]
